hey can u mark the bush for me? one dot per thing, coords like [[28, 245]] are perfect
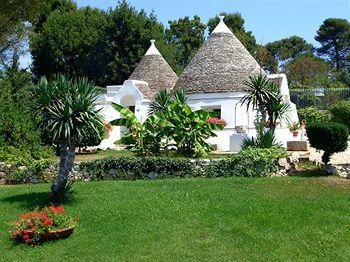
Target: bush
[[312, 115], [341, 112], [329, 137], [252, 162]]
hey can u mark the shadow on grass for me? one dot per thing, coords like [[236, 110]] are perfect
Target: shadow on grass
[[310, 173], [29, 201]]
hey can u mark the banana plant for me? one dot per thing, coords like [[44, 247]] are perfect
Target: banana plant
[[142, 137], [190, 129]]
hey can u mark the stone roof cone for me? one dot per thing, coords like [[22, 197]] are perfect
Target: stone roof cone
[[222, 64], [154, 70]]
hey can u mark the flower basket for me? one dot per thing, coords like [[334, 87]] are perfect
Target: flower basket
[[56, 234], [39, 225]]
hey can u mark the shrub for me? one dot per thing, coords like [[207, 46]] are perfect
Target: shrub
[[312, 115], [341, 112], [251, 162], [329, 137]]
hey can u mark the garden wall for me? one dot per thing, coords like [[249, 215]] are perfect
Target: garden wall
[[248, 163]]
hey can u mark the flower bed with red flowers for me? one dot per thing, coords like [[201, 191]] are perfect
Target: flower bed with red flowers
[[215, 120], [33, 226]]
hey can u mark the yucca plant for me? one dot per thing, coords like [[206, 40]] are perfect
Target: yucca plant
[[67, 110], [259, 92]]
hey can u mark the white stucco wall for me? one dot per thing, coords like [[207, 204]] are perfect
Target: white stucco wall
[[232, 111]]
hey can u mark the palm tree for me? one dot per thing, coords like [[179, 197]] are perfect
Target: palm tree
[[259, 91], [67, 110]]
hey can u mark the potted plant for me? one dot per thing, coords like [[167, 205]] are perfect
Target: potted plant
[[294, 128], [49, 223]]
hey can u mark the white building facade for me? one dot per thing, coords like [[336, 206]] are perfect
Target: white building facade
[[213, 80]]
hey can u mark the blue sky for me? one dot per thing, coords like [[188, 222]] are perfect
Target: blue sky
[[269, 20]]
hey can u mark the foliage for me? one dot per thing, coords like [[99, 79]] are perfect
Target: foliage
[[235, 22], [19, 139], [175, 126], [31, 226], [266, 60], [251, 162], [143, 137], [334, 35], [68, 115], [161, 101], [329, 137], [190, 129], [186, 36], [265, 138], [53, 52], [312, 115], [128, 31], [305, 69], [260, 90], [21, 156], [263, 95], [288, 48], [13, 14], [341, 112]]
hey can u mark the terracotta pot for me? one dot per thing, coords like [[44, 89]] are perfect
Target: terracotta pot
[[295, 133], [56, 234]]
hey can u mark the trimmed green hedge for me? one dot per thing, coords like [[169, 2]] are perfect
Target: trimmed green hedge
[[252, 162], [341, 112]]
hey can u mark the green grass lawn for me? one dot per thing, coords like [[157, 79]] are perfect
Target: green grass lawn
[[240, 219]]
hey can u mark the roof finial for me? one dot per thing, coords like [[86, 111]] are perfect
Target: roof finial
[[221, 27], [153, 49]]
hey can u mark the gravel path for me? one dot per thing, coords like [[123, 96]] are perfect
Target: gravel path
[[337, 159]]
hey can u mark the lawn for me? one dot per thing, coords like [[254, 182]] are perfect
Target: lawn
[[242, 219]]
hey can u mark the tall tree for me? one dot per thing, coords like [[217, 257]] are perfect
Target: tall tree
[[265, 59], [68, 42], [187, 36], [288, 48], [235, 22], [334, 36], [127, 38], [306, 69]]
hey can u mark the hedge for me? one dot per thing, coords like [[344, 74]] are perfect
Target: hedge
[[341, 112], [252, 162]]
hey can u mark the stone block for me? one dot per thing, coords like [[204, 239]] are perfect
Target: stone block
[[297, 146]]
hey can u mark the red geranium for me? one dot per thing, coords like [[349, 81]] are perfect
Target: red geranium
[[31, 226]]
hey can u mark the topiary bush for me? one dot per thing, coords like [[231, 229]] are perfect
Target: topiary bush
[[312, 115], [341, 112], [328, 136]]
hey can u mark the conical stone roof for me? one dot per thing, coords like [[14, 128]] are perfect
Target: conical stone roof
[[222, 64], [154, 70]]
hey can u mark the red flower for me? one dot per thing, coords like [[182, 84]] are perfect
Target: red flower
[[47, 222], [16, 233], [59, 209], [25, 236]]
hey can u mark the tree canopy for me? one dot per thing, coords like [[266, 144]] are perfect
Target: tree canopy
[[187, 36], [334, 37], [306, 69], [288, 48]]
